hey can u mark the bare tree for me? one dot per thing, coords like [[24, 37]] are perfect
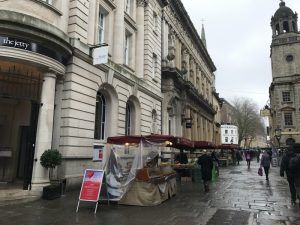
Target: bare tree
[[247, 118]]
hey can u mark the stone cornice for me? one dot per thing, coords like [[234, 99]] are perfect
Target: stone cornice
[[178, 7], [42, 61], [181, 84], [25, 25]]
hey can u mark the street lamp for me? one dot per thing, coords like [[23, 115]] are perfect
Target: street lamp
[[278, 135]]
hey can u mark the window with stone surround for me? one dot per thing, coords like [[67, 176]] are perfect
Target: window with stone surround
[[155, 21], [100, 117], [129, 7], [154, 65], [127, 48], [101, 27], [128, 119], [288, 118], [286, 96]]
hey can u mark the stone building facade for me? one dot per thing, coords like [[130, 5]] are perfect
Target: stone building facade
[[52, 96], [226, 112], [285, 87], [187, 78]]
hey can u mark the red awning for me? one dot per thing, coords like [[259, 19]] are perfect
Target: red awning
[[182, 143], [227, 146], [203, 145], [121, 140], [177, 142], [135, 139]]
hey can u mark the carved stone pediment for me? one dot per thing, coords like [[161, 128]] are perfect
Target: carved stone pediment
[[142, 3]]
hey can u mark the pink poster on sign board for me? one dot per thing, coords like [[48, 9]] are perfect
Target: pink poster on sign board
[[91, 185]]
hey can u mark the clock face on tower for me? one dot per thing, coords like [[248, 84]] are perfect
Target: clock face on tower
[[289, 58]]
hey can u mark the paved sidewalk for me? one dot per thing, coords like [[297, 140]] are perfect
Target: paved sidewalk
[[238, 197]]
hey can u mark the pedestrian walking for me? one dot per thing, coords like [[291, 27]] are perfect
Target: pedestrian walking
[[215, 161], [265, 162], [290, 164], [248, 158], [238, 156], [258, 152], [206, 163]]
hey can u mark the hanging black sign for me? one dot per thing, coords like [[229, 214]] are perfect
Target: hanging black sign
[[188, 125]]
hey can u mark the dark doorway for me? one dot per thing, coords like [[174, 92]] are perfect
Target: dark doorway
[[30, 145], [23, 140], [290, 141]]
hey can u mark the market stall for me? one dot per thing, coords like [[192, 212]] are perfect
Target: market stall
[[134, 172], [227, 153]]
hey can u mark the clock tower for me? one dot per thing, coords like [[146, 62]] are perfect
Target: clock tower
[[285, 87]]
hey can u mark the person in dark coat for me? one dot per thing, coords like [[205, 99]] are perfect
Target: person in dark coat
[[248, 158], [182, 158], [206, 163], [293, 175], [265, 163], [238, 156]]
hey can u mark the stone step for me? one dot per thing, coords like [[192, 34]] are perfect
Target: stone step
[[15, 196]]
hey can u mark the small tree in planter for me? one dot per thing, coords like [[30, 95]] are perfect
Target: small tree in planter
[[49, 160]]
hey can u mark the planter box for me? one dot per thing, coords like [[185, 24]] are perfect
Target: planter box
[[52, 191]]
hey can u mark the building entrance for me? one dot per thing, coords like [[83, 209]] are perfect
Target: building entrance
[[20, 87]]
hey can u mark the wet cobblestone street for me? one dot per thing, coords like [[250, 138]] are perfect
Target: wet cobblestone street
[[239, 196]]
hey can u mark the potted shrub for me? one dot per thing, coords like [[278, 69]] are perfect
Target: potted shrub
[[49, 160]]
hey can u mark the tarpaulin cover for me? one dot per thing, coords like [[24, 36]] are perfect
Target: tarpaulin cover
[[125, 160]]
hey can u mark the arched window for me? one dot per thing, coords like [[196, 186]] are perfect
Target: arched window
[[128, 119], [100, 117], [286, 28], [277, 29], [154, 122], [294, 26]]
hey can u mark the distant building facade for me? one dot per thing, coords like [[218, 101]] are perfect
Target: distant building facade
[[284, 90], [187, 77], [226, 112], [229, 134]]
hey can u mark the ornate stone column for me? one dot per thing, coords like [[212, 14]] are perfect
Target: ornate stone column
[[119, 32], [44, 129], [140, 14]]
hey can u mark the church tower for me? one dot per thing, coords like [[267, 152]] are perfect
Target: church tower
[[285, 87]]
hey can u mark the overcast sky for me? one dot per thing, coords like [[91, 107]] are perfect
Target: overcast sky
[[238, 37]]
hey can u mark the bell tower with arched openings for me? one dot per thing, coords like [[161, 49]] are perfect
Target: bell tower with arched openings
[[284, 90]]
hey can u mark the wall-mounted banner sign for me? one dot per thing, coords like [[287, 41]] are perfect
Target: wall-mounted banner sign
[[91, 186], [15, 43], [100, 55], [98, 152], [34, 47]]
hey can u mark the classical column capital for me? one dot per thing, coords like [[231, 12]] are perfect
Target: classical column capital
[[142, 3]]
